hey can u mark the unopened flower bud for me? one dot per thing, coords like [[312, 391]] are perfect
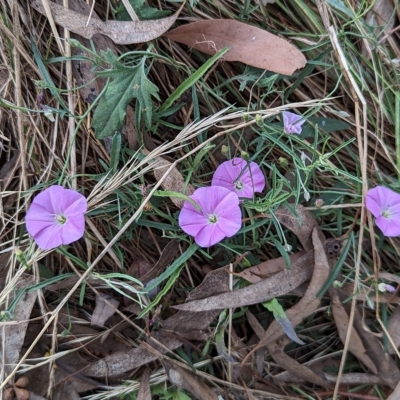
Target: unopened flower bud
[[337, 284], [244, 155], [384, 287], [225, 150], [319, 203], [283, 162], [259, 120]]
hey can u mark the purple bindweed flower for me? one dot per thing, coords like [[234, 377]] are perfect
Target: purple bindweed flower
[[219, 215], [292, 122], [56, 216], [384, 205], [240, 177]]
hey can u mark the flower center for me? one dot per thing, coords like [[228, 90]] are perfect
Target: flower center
[[60, 219], [386, 213], [238, 185], [212, 218]]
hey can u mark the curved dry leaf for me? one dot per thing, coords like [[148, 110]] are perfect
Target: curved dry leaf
[[356, 345], [279, 284], [394, 330], [185, 379], [105, 308], [12, 336], [309, 302], [144, 388], [247, 43], [301, 224], [121, 32], [173, 182], [269, 267]]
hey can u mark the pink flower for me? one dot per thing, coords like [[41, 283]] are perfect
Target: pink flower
[[384, 205], [219, 215], [56, 216], [240, 177], [292, 122]]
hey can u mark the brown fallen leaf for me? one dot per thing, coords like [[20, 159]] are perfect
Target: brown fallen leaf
[[247, 43], [356, 346], [121, 32], [269, 267], [12, 336], [144, 388], [185, 379], [173, 182], [277, 285], [105, 308], [388, 370], [272, 337], [169, 254], [8, 169], [301, 224], [394, 330]]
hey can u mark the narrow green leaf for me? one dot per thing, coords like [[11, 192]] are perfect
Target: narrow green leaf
[[175, 265], [281, 318], [115, 152], [177, 93], [339, 6], [169, 193], [46, 76]]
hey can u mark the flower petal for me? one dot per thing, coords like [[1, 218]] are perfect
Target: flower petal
[[226, 204], [49, 199], [50, 237], [381, 198], [73, 229], [250, 175], [209, 235], [389, 227], [73, 203], [191, 221]]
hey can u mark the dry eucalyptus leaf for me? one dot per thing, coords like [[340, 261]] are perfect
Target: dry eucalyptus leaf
[[12, 335], [8, 170], [185, 379], [105, 308], [356, 346], [269, 267], [173, 182], [281, 283], [394, 329], [144, 388], [301, 224], [121, 32], [247, 43], [169, 254]]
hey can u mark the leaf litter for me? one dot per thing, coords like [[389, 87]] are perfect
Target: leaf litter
[[115, 346]]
